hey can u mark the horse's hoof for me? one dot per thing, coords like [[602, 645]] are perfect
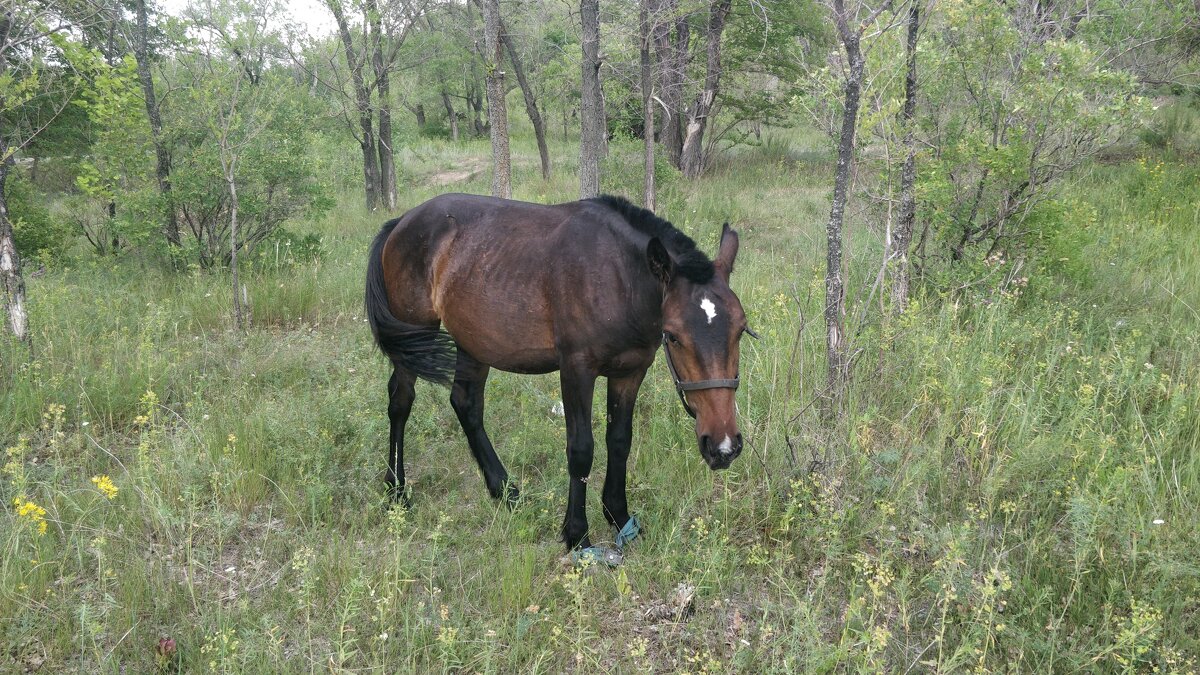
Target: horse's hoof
[[512, 497], [397, 496]]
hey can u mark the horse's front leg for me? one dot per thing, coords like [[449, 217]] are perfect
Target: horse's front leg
[[578, 383], [622, 394]]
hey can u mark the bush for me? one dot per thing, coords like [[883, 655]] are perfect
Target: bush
[[284, 248], [277, 179], [36, 233]]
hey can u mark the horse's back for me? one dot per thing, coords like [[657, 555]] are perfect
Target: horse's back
[[486, 269], [517, 285]]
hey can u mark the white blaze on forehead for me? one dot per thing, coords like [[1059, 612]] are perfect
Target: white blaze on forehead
[[710, 310]]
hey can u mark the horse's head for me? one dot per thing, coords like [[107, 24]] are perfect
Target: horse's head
[[703, 323]]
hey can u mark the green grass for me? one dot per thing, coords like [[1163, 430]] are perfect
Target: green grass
[[1008, 457]]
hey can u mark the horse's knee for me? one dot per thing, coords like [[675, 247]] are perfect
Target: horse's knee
[[579, 458]]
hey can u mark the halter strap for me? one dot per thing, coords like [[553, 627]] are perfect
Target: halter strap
[[681, 386]]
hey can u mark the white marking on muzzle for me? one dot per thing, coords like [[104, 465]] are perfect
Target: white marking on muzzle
[[726, 446], [709, 308]]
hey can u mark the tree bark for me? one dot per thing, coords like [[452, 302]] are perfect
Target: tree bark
[[836, 351], [531, 106], [591, 112], [238, 317], [497, 110], [387, 162], [475, 105], [362, 101], [647, 68], [10, 260], [902, 239], [162, 169], [419, 112], [692, 160], [453, 118], [672, 64]]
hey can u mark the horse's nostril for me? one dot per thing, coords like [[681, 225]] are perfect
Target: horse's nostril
[[705, 442], [737, 443]]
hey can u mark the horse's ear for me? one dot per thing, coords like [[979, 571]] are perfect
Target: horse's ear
[[726, 251], [659, 260]]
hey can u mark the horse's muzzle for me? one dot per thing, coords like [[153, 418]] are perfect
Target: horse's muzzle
[[720, 454]]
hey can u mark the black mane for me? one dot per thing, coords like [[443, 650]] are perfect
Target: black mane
[[690, 262]]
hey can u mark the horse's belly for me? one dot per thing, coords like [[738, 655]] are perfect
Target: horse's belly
[[505, 335]]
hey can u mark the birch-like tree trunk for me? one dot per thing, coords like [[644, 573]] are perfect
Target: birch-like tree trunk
[[902, 238], [647, 72], [836, 349], [162, 169], [231, 184], [497, 111], [10, 260], [591, 108], [691, 160], [362, 102]]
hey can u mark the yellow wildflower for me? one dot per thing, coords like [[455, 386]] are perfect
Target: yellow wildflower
[[105, 485], [35, 514]]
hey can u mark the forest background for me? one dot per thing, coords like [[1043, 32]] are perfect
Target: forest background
[[969, 241]]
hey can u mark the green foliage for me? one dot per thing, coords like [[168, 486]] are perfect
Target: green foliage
[[277, 175], [765, 51], [1013, 450], [120, 204], [285, 249], [626, 177], [983, 182], [36, 233], [1173, 126]]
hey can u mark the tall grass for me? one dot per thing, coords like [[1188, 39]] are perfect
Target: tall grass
[[1021, 493]]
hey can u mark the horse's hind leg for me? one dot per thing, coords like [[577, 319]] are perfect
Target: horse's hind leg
[[466, 396], [401, 392]]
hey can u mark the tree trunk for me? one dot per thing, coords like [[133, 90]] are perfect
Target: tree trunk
[[672, 64], [497, 110], [591, 113], [902, 240], [10, 261], [475, 105], [419, 112], [451, 116], [836, 351], [162, 170], [531, 107], [692, 159], [644, 38], [370, 163], [387, 163], [362, 102], [233, 248]]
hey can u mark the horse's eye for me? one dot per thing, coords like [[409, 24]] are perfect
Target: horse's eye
[[671, 338]]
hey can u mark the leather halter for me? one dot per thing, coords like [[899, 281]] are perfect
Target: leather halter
[[681, 386]]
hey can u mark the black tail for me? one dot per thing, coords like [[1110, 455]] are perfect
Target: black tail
[[428, 352]]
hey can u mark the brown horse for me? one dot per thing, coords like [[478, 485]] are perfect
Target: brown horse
[[464, 283]]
